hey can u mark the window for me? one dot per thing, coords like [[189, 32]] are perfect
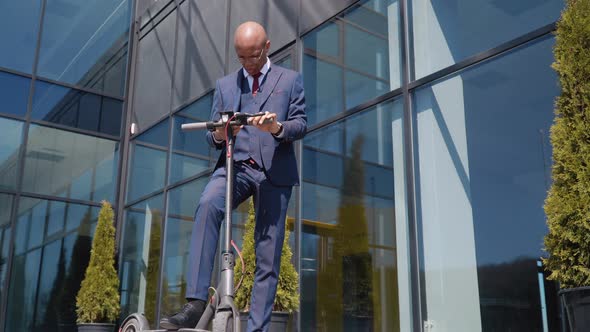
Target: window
[[349, 250], [14, 93], [52, 250], [446, 32], [483, 173], [147, 170], [19, 33], [352, 59], [67, 164], [78, 109], [86, 43]]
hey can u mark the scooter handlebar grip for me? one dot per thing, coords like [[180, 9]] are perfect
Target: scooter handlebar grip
[[195, 126]]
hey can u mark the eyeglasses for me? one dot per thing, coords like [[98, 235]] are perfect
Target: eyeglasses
[[251, 59]]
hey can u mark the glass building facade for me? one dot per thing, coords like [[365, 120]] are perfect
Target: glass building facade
[[424, 169]]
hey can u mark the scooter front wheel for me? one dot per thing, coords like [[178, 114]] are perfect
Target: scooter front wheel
[[223, 322], [134, 323]]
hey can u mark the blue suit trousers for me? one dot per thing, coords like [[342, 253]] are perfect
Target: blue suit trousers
[[271, 204]]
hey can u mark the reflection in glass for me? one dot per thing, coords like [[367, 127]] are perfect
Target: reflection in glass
[[286, 62], [483, 173], [351, 59], [48, 267], [19, 33], [181, 210], [67, 164], [444, 33], [21, 295], [323, 89], [147, 172], [14, 93], [349, 272], [140, 260], [156, 135], [78, 109], [200, 109], [5, 231], [11, 132], [190, 151], [85, 43]]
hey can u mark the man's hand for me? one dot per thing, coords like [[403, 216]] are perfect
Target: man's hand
[[219, 133], [266, 122]]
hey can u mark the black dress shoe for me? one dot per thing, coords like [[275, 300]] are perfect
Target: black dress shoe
[[187, 317]]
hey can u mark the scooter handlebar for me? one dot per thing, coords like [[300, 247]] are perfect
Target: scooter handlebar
[[240, 119]]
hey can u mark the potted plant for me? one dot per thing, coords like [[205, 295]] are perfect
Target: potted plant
[[287, 298], [97, 302], [567, 205]]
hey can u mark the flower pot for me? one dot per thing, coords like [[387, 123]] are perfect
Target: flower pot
[[576, 302], [96, 327], [67, 327], [279, 321]]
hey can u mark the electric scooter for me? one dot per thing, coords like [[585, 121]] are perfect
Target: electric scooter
[[220, 309]]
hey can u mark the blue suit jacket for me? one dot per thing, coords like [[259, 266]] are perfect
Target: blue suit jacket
[[282, 93]]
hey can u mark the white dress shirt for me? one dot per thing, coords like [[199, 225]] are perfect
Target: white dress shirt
[[263, 72]]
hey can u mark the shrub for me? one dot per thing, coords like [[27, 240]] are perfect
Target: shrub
[[568, 202], [98, 298]]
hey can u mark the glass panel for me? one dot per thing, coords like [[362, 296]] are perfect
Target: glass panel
[[181, 211], [157, 135], [349, 246], [22, 291], [50, 265], [5, 209], [483, 173], [323, 89], [19, 29], [140, 259], [351, 59], [190, 151], [70, 165], [11, 133], [78, 109], [86, 43], [14, 93], [147, 172], [446, 32], [5, 232], [286, 62], [324, 40], [201, 108]]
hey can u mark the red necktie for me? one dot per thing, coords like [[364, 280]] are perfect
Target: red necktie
[[255, 84]]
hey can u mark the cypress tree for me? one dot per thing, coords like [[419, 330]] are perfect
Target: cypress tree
[[98, 298], [567, 205], [287, 298]]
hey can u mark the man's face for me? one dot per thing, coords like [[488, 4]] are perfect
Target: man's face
[[252, 57]]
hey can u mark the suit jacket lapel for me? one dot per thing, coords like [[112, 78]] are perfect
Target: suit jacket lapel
[[237, 91], [271, 80]]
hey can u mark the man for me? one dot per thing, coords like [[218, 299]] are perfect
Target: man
[[265, 167]]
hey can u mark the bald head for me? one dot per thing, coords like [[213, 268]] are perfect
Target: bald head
[[249, 33], [252, 45]]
